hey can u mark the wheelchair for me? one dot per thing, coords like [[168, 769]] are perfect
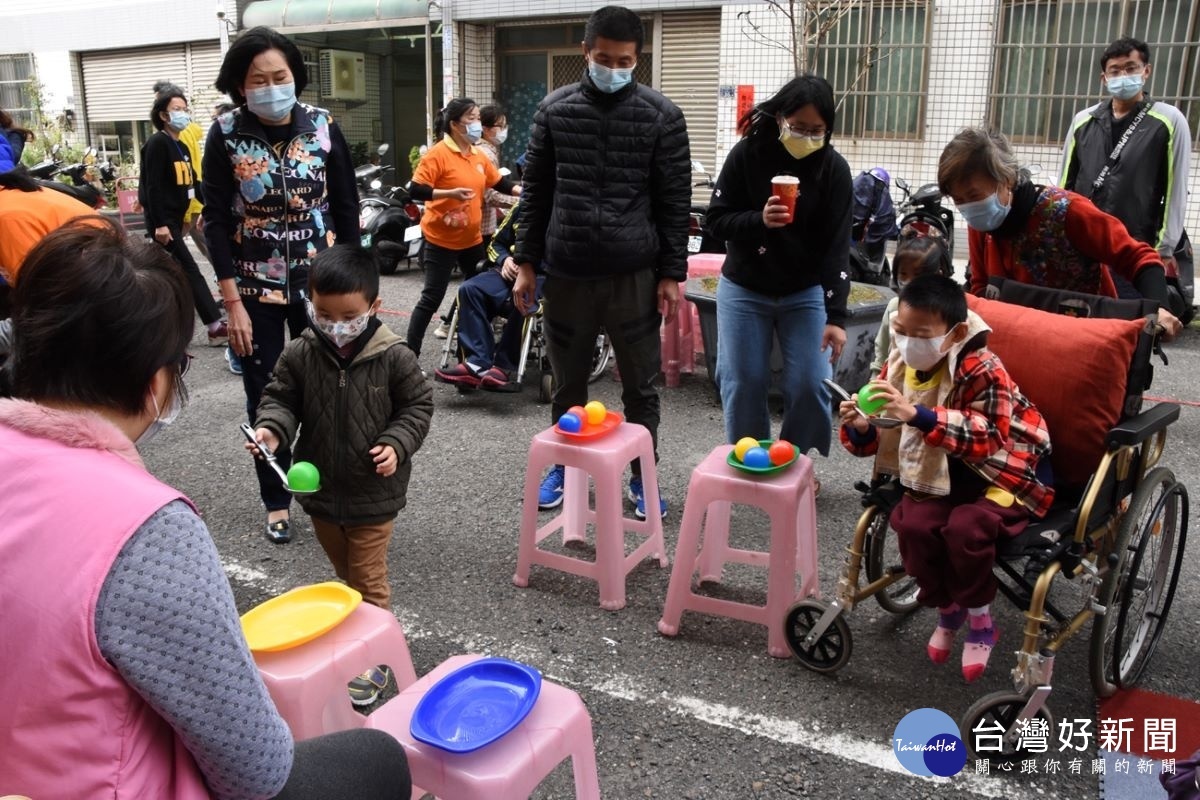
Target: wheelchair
[[1119, 535], [533, 349]]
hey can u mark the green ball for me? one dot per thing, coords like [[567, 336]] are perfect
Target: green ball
[[870, 401], [304, 477]]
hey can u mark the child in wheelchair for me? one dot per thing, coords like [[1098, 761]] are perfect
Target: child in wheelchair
[[484, 362], [921, 251], [972, 456]]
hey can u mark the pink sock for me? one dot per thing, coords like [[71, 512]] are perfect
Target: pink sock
[[981, 618]]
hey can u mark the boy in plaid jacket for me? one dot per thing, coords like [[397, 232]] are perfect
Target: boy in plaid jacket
[[972, 456]]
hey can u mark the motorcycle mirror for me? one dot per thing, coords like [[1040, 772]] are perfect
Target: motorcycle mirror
[[1034, 169], [903, 184], [698, 167], [377, 184], [383, 148], [505, 172]]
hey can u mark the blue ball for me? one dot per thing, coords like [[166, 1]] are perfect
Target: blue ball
[[570, 423], [757, 457]]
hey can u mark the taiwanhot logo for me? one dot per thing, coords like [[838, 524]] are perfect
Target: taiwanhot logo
[[926, 743]]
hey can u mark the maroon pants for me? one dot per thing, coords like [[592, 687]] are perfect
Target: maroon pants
[[948, 544]]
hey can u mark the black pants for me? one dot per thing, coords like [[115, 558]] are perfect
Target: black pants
[[202, 294], [363, 764], [268, 321], [439, 262], [626, 306]]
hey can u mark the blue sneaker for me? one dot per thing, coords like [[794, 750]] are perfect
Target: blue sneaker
[[235, 363], [551, 493], [638, 498]]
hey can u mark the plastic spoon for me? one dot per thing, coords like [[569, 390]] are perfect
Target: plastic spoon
[[269, 457], [880, 422]]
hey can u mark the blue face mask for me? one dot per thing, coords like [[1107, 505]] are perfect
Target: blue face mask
[[986, 214], [609, 80], [271, 103], [1125, 87], [179, 120], [474, 131]]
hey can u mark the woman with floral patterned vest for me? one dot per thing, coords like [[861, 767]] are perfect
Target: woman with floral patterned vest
[[279, 188], [1041, 235]]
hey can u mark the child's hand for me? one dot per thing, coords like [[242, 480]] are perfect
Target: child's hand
[[848, 411], [265, 436], [897, 406], [385, 459]]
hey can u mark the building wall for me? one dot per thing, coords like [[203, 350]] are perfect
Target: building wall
[[960, 73], [515, 9], [48, 25]]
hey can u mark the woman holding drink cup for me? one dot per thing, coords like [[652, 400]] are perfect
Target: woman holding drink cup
[[783, 204]]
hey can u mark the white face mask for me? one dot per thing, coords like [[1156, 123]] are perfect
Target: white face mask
[[340, 333], [920, 354], [502, 136], [178, 401]]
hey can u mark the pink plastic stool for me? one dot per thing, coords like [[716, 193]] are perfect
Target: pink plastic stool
[[604, 459], [701, 265], [557, 728], [308, 683], [787, 498], [678, 337]]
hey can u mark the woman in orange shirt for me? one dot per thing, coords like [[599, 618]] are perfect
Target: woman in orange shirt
[[451, 180]]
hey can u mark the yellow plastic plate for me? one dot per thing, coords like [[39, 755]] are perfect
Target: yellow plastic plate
[[298, 616]]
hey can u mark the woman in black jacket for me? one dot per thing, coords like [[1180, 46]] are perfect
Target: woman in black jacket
[[165, 188], [782, 277]]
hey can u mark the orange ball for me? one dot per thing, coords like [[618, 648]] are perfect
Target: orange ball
[[596, 412]]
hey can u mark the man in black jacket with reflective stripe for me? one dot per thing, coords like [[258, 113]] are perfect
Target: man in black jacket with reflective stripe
[[604, 210]]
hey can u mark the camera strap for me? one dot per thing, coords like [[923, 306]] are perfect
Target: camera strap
[[1116, 153]]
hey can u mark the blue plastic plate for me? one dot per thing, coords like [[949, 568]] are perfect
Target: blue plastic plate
[[475, 705]]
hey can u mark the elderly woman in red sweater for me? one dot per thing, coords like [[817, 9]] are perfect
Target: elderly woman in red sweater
[[1042, 235]]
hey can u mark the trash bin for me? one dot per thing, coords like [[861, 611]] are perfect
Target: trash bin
[[865, 308]]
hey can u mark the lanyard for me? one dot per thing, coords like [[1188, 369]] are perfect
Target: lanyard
[[1116, 153]]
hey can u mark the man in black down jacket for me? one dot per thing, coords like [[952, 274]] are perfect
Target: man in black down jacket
[[605, 212]]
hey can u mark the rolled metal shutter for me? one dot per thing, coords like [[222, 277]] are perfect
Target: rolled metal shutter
[[117, 83], [691, 48], [204, 62]]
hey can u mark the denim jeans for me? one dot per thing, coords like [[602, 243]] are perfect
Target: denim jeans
[[746, 324], [481, 299], [438, 263]]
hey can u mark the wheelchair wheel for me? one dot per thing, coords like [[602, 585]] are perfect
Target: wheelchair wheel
[[827, 654], [1138, 590], [600, 357], [882, 552], [546, 388], [987, 718]]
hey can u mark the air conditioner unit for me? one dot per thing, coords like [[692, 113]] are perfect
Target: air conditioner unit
[[343, 75]]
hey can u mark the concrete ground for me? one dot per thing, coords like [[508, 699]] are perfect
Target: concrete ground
[[707, 714]]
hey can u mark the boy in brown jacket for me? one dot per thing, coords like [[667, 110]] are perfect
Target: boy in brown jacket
[[364, 407]]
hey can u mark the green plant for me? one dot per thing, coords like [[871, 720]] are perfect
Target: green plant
[[48, 133], [358, 153], [414, 156]]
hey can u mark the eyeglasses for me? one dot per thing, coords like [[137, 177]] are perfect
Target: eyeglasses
[[806, 133], [184, 364], [1129, 68]]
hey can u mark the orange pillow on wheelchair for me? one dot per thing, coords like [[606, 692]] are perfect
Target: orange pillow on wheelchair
[[1073, 369]]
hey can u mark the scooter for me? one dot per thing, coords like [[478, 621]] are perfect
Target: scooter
[[700, 240], [924, 208], [1181, 286], [388, 220]]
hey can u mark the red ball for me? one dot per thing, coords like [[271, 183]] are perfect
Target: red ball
[[781, 452], [579, 412]]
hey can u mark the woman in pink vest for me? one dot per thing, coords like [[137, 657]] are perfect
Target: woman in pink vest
[[124, 673]]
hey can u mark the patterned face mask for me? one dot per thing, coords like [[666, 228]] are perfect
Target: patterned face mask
[[340, 333]]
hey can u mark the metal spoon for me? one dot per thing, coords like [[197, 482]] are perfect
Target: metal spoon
[[269, 457]]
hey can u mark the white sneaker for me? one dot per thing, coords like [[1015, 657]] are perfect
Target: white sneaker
[[442, 331]]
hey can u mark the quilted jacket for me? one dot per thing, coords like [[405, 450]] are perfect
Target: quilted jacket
[[380, 398], [606, 185]]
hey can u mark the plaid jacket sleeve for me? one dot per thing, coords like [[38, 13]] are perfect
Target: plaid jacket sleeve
[[974, 423]]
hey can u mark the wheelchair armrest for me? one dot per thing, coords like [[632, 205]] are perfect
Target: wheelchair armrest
[[1136, 430]]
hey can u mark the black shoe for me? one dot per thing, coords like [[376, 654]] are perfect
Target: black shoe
[[279, 532], [366, 688]]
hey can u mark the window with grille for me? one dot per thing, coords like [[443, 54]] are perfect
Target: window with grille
[[1048, 60], [16, 87], [875, 53]]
